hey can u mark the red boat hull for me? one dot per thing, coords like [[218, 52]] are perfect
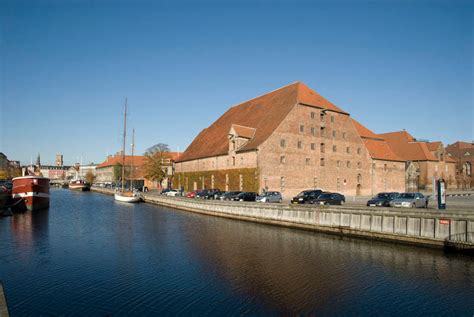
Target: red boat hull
[[33, 190]]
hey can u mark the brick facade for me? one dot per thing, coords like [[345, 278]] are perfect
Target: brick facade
[[313, 146]]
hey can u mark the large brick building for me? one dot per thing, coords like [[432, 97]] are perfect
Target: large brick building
[[288, 140], [463, 155], [424, 160]]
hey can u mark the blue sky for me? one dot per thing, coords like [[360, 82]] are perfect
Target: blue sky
[[66, 67]]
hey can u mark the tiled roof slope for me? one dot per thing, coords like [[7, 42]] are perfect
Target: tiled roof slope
[[405, 146], [376, 145], [433, 146], [117, 159], [264, 114], [138, 160]]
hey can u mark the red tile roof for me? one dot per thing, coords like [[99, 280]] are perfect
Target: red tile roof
[[405, 146], [138, 160], [375, 144], [433, 146], [117, 159], [244, 132], [264, 114]]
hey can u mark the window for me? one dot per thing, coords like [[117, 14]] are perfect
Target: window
[[313, 115], [322, 147], [359, 150], [359, 178], [300, 144], [282, 143], [313, 146], [233, 160], [359, 165], [282, 159], [308, 160], [344, 135], [334, 134], [338, 163], [348, 150], [301, 128], [322, 132], [323, 115], [282, 184], [332, 119], [313, 131], [338, 183], [334, 148], [348, 164], [322, 162]]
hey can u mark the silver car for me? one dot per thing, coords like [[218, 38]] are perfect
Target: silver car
[[269, 197], [410, 200]]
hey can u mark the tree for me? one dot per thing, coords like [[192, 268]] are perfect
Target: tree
[[118, 172], [157, 148], [153, 167], [90, 177]]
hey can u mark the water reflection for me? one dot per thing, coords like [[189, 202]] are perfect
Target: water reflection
[[89, 255]]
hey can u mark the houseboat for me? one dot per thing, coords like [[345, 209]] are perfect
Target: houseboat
[[33, 191]]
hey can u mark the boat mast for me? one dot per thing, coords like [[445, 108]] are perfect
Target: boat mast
[[133, 166], [123, 147]]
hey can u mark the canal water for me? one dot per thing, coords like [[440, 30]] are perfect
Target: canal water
[[89, 255]]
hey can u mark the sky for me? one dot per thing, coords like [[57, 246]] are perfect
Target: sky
[[67, 66]]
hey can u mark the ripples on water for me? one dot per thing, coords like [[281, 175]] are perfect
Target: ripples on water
[[89, 255]]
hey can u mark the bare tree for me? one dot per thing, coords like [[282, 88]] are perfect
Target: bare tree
[[157, 148]]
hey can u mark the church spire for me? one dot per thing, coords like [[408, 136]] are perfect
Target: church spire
[[38, 160]]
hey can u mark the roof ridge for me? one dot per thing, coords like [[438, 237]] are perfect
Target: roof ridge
[[263, 95]]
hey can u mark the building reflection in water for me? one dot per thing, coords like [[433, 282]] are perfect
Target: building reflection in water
[[297, 271]]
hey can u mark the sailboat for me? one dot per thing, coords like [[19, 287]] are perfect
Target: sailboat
[[128, 196]]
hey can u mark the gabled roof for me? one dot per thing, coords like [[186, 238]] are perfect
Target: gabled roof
[[375, 144], [364, 132], [243, 132], [117, 159], [433, 146], [405, 146], [138, 160], [263, 113]]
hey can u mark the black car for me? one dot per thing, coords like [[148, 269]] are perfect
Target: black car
[[306, 196], [382, 200], [246, 196], [230, 195], [202, 194], [329, 199], [212, 193]]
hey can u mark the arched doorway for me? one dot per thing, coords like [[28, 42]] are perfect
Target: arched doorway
[[358, 189]]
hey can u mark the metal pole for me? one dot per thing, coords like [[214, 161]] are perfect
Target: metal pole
[[123, 147]]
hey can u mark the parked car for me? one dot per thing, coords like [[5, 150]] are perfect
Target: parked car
[[246, 196], [213, 193], [382, 199], [172, 192], [230, 195], [269, 197], [306, 196], [164, 191], [410, 200], [191, 194], [329, 199], [220, 195], [202, 194]]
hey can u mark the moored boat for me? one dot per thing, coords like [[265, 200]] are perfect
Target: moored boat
[[127, 197], [33, 191], [5, 195], [79, 185]]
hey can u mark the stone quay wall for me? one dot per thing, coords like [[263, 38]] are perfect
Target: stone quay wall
[[427, 228], [418, 227]]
